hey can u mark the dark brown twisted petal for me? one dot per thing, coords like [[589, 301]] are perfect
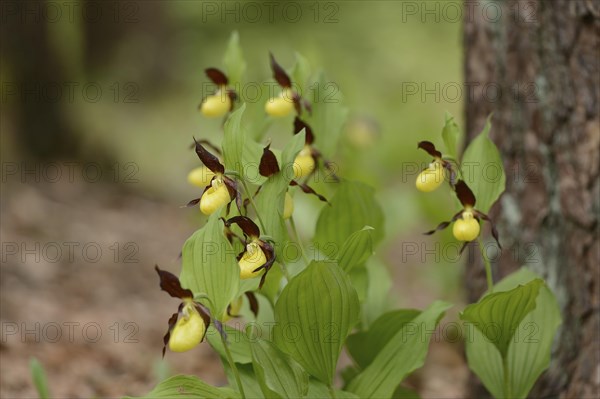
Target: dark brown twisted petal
[[443, 225], [234, 193], [464, 246], [172, 321], [253, 302], [205, 314], [170, 284], [308, 190], [268, 163], [491, 222], [217, 76], [429, 148], [269, 252], [208, 159], [279, 73], [464, 194], [193, 202], [246, 224], [299, 124]]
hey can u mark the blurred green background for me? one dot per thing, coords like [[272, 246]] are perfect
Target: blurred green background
[[148, 60]]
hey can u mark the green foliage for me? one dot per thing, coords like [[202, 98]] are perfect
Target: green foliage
[[452, 136], [528, 353], [352, 207], [209, 266], [38, 375], [234, 142], [482, 169], [279, 375], [314, 314], [404, 353], [356, 249], [188, 387], [235, 64]]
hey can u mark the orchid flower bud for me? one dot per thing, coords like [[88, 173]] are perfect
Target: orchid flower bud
[[288, 207]]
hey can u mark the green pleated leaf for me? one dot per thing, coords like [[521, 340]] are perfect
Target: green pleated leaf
[[482, 169], [379, 283], [451, 135], [235, 64], [352, 207], [328, 116], [189, 387], [314, 315], [356, 249], [499, 314], [209, 266], [249, 381], [234, 141], [404, 353], [365, 346], [279, 375], [318, 390], [529, 351]]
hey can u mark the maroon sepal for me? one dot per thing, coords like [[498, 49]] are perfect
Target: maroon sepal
[[249, 228], [268, 163], [429, 148], [464, 194], [279, 73], [299, 124], [217, 76], [171, 285], [208, 159]]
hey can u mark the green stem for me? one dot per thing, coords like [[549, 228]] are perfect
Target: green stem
[[299, 241], [262, 224], [488, 267], [234, 369]]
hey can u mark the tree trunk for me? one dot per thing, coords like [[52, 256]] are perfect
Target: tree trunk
[[535, 65]]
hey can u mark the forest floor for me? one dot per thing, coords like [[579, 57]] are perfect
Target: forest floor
[[78, 292]]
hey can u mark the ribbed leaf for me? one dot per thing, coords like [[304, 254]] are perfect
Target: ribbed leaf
[[352, 207], [234, 61], [365, 346], [499, 314], [238, 342], [314, 315], [234, 141], [279, 375], [451, 135], [529, 350], [403, 354], [483, 170], [209, 266], [188, 387], [356, 249]]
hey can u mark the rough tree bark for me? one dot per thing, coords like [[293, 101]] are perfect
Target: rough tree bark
[[535, 65]]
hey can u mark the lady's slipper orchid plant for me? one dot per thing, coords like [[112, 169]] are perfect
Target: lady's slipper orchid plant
[[221, 102], [288, 99], [307, 159], [433, 176], [466, 222], [188, 326], [221, 189], [258, 255]]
